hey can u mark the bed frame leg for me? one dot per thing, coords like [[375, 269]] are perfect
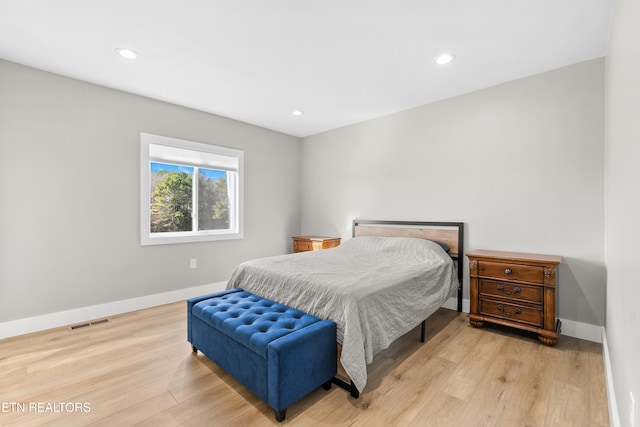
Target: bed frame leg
[[422, 330], [354, 391], [350, 387]]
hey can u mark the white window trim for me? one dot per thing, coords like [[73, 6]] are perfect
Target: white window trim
[[236, 221]]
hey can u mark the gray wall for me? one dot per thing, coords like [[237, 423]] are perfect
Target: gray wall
[[520, 163], [69, 195], [622, 208]]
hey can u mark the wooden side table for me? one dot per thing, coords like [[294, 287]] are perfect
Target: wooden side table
[[516, 290], [314, 243]]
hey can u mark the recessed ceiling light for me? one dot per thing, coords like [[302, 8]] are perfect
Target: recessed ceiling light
[[445, 58], [297, 113], [127, 53]]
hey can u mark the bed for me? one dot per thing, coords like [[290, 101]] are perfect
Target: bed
[[377, 286]]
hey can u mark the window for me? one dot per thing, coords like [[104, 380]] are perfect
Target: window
[[190, 192]]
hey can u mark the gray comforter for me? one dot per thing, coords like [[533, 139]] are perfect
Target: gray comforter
[[376, 289]]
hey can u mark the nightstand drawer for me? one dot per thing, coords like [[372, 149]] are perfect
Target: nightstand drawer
[[511, 291], [507, 271], [512, 312], [301, 246], [314, 243]]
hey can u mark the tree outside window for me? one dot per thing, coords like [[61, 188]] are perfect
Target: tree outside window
[[173, 194]]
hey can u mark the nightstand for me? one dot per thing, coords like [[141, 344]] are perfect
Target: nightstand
[[314, 243], [516, 290]]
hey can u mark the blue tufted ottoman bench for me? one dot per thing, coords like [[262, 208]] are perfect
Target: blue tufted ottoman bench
[[279, 353]]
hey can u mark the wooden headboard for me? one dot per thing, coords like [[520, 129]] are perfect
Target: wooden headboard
[[449, 233]]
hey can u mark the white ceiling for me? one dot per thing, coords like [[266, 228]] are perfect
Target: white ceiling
[[339, 61]]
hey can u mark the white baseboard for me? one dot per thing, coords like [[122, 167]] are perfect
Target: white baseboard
[[570, 328], [614, 417], [452, 304], [63, 318], [584, 331]]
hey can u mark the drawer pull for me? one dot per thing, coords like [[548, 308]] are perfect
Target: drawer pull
[[507, 271], [501, 308], [516, 290]]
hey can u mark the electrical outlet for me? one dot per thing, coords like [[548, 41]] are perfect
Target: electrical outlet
[[632, 409], [193, 263]]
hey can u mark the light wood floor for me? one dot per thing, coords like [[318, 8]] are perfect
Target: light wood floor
[[138, 369]]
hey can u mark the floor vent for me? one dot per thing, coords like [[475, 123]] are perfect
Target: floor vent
[[82, 325], [86, 325]]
